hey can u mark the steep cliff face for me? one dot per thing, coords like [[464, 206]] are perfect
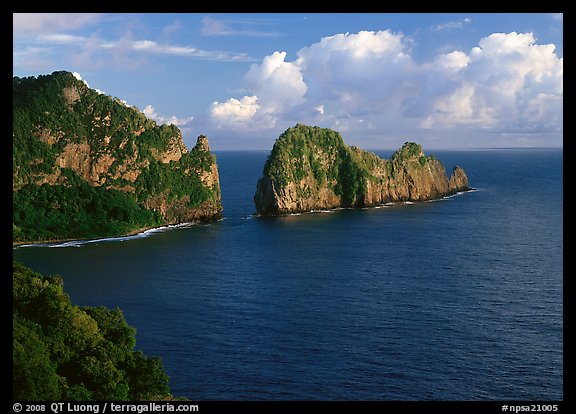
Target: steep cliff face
[[458, 180], [301, 172], [180, 209], [311, 168], [67, 135]]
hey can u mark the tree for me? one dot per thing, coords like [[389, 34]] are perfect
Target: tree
[[62, 351]]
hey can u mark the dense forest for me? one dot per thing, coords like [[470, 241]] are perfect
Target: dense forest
[[44, 212], [88, 165], [65, 352]]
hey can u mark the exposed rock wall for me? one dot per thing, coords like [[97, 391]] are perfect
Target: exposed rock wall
[[178, 210], [110, 145], [311, 168]]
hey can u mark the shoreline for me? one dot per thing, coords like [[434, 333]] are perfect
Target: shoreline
[[134, 232], [366, 207], [143, 230]]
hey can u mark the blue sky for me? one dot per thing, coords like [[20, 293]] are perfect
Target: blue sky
[[447, 81]]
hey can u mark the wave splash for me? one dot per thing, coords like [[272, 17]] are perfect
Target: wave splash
[[141, 235]]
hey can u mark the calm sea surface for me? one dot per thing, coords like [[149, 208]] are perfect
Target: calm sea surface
[[458, 299]]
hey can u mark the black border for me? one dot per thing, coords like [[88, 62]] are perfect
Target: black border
[[297, 6]]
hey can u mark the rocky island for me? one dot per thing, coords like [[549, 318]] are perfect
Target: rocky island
[[310, 168], [87, 165]]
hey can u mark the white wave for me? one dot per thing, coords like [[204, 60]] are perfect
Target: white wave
[[80, 243], [75, 243], [141, 235], [387, 205], [324, 211], [472, 190], [29, 245]]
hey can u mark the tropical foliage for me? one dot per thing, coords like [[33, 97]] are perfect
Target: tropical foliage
[[62, 351], [55, 199], [319, 153]]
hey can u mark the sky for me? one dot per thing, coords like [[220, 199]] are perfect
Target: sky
[[446, 81]]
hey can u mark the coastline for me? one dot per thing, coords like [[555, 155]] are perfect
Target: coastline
[[142, 230], [365, 207], [134, 232]]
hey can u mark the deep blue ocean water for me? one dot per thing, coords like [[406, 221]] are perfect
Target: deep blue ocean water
[[458, 299]]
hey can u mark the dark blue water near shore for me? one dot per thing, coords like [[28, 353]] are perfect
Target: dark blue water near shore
[[459, 299]]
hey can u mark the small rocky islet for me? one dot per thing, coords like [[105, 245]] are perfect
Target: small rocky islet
[[311, 168]]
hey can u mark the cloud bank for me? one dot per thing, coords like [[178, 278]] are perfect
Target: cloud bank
[[367, 83]]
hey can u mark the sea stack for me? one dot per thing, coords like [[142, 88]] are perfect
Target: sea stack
[[310, 168]]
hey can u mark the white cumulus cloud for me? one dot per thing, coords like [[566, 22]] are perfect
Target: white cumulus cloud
[[151, 113], [506, 84], [277, 83], [79, 77], [235, 111], [277, 88], [505, 77], [455, 60]]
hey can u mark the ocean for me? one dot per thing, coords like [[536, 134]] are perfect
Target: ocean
[[459, 299]]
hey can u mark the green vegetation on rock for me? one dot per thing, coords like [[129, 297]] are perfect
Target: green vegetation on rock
[[302, 147], [311, 168], [87, 165], [320, 154], [76, 210], [65, 352], [351, 178]]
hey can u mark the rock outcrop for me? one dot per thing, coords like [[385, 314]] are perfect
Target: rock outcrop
[[310, 168], [63, 129]]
